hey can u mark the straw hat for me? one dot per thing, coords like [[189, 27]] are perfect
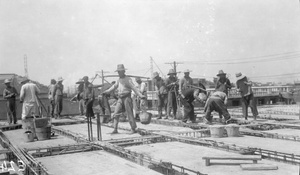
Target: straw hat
[[221, 73], [171, 71], [239, 76], [120, 67], [80, 81], [155, 74], [187, 71], [59, 79], [6, 81]]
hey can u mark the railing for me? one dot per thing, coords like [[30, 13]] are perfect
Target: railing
[[233, 93]]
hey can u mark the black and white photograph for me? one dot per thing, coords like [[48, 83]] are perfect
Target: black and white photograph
[[149, 87]]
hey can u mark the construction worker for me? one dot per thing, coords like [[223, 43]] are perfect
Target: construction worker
[[28, 96], [58, 97], [9, 94], [124, 86], [172, 88], [51, 88], [162, 94], [79, 96], [88, 97], [185, 81], [216, 102], [245, 88], [223, 84], [138, 103], [187, 97], [103, 100]]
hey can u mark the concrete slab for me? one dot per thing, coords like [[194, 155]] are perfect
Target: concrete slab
[[106, 131], [279, 145], [290, 132], [94, 162], [190, 156], [17, 137]]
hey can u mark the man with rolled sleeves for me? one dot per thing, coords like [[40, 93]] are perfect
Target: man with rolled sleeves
[[245, 88], [162, 94], [124, 85], [9, 94]]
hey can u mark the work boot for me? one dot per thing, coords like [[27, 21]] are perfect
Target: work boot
[[133, 131], [205, 121], [159, 117], [114, 132]]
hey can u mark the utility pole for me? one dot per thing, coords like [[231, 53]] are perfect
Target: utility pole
[[174, 64], [25, 66]]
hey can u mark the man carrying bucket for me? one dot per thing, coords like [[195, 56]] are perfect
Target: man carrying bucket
[[124, 86]]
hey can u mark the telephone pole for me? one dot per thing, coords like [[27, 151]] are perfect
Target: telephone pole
[[174, 64]]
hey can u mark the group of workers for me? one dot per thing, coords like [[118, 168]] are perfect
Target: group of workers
[[173, 92], [132, 97]]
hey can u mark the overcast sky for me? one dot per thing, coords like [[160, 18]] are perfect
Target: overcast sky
[[73, 38]]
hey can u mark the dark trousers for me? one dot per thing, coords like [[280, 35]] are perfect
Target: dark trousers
[[162, 103], [89, 112], [216, 104], [124, 103], [171, 103], [52, 107], [58, 104], [249, 101], [188, 109], [11, 111]]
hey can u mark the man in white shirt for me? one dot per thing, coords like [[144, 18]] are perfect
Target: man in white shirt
[[28, 96]]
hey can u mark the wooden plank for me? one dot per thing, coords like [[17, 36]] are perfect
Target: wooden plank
[[4, 151], [242, 157], [254, 158], [259, 167]]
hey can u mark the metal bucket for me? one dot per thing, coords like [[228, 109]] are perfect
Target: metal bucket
[[28, 124], [232, 130], [145, 117], [43, 133], [217, 131], [29, 136]]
